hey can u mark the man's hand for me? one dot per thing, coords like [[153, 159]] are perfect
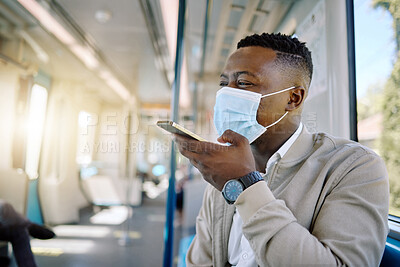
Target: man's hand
[[218, 163]]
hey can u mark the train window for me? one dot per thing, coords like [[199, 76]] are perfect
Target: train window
[[86, 135], [35, 127], [378, 98]]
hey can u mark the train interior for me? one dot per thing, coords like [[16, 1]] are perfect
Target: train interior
[[83, 83]]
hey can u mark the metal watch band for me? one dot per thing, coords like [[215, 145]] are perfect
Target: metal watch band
[[250, 179]]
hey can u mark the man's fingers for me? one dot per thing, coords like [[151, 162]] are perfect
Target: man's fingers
[[234, 138], [187, 147], [196, 164], [195, 146], [187, 153], [185, 150], [186, 143]]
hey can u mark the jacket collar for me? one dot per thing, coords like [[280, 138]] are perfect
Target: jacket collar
[[300, 149]]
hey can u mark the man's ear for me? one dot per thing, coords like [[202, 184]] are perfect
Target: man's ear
[[296, 98]]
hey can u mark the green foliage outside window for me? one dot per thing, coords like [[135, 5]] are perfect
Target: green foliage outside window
[[389, 141]]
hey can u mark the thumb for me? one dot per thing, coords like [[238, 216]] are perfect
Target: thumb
[[232, 137]]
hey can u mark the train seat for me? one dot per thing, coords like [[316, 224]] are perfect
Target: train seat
[[104, 190], [14, 188], [195, 189], [391, 256], [101, 190]]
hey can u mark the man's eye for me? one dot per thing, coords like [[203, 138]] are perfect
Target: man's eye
[[221, 83], [244, 83]]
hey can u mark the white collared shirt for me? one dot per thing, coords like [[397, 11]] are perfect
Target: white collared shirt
[[240, 254]]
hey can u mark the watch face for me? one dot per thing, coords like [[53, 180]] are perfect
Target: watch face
[[233, 189]]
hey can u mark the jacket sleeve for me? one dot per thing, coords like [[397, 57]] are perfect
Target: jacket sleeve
[[200, 250], [350, 228]]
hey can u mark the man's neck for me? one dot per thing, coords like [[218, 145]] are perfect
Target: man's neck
[[270, 142]]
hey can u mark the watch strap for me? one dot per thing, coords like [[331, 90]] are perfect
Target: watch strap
[[250, 179]]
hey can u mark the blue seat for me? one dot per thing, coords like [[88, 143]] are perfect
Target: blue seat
[[391, 256], [183, 248]]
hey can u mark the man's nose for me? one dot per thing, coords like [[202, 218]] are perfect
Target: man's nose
[[233, 84]]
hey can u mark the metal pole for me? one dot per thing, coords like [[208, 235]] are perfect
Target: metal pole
[[125, 239], [352, 69], [203, 59], [205, 35], [201, 74], [171, 198]]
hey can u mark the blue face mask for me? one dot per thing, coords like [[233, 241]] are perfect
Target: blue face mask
[[236, 109]]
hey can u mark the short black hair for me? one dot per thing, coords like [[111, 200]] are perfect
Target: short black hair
[[289, 50]]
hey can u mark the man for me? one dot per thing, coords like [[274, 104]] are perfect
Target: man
[[16, 229], [288, 197]]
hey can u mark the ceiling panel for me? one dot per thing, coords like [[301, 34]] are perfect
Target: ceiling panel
[[124, 42]]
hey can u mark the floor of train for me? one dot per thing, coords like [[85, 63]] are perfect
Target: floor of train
[[86, 244]]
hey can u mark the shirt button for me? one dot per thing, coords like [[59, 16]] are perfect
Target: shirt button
[[245, 256]]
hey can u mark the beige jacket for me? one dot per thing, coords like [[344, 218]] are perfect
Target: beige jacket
[[326, 203]]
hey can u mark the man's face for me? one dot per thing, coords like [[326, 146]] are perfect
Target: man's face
[[253, 69]]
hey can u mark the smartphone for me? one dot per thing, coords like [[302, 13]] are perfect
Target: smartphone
[[173, 127]]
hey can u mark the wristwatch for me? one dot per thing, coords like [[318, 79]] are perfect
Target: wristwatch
[[233, 188]]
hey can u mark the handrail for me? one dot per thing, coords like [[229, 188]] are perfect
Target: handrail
[[203, 59], [352, 69], [171, 198]]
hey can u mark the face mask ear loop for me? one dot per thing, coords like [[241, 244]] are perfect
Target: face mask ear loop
[[277, 120], [281, 91]]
